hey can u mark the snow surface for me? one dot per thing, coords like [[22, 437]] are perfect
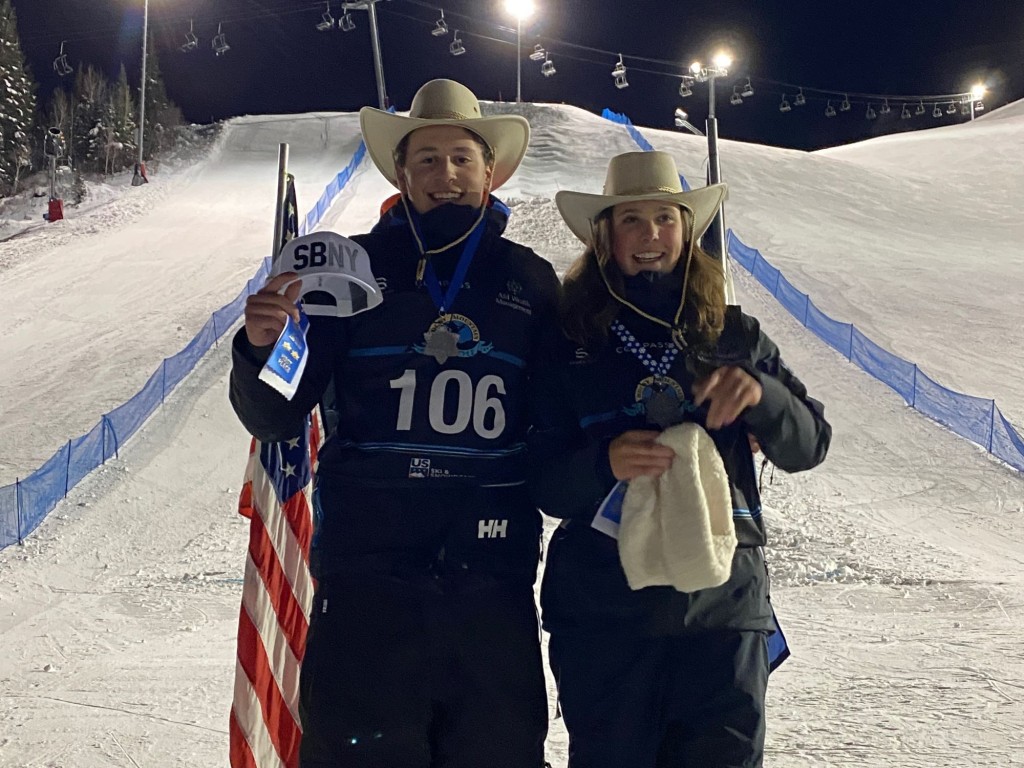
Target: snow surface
[[898, 565]]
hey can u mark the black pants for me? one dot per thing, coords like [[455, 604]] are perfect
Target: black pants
[[669, 702], [423, 673]]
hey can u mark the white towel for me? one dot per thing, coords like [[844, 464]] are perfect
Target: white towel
[[677, 529]]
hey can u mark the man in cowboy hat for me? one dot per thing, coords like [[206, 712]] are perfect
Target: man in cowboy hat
[[423, 647]]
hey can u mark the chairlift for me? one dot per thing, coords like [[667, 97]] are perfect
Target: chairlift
[[219, 43], [748, 90], [347, 23], [326, 20], [799, 100], [440, 26], [885, 109], [784, 106], [951, 109], [735, 98], [548, 67], [457, 48], [621, 82], [905, 114], [919, 109], [937, 111], [870, 114], [684, 87], [844, 105], [191, 41], [60, 64], [619, 69], [830, 111], [979, 106], [539, 54]]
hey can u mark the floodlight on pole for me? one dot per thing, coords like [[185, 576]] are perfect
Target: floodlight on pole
[[139, 177], [521, 9], [715, 236]]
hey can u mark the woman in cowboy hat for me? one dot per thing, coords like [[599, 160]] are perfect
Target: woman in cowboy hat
[[655, 676], [423, 647]]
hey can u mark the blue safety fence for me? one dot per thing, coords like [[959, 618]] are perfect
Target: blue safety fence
[[978, 419], [25, 503]]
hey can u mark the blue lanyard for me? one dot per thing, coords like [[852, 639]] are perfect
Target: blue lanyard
[[444, 303], [657, 367]]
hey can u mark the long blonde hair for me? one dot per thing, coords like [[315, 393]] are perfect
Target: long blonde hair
[[588, 306]]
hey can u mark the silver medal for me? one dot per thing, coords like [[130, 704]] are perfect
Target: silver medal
[[441, 344]]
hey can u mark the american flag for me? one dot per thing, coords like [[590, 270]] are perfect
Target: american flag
[[277, 593]]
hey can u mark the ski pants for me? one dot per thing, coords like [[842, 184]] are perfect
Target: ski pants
[[423, 672], [667, 702]]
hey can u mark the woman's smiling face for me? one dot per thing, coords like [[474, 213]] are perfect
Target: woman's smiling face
[[647, 236]]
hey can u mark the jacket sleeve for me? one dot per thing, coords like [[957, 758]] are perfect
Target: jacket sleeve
[[789, 425], [569, 475], [265, 413]]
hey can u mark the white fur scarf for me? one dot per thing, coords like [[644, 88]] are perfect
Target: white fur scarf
[[677, 530]]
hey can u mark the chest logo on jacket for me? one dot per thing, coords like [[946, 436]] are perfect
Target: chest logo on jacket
[[513, 298], [662, 400], [450, 336]]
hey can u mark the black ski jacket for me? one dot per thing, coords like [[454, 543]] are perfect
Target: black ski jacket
[[426, 464], [588, 398]]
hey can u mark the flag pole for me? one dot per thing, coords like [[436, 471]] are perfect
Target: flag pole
[[282, 186]]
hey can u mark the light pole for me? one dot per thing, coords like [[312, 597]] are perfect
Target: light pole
[[716, 232], [521, 9], [139, 178], [370, 6]]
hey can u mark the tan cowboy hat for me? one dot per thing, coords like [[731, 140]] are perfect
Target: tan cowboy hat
[[640, 176], [445, 102]]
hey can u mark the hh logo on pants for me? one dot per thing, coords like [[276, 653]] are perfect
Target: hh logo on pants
[[492, 529]]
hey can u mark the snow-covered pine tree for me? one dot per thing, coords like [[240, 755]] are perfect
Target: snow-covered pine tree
[[92, 94], [17, 104], [122, 139], [163, 117]]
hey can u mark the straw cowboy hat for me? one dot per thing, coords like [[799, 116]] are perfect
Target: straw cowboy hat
[[637, 176], [445, 102]]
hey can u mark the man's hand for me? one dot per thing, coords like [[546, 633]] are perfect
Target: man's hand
[[730, 390], [635, 454], [267, 311]]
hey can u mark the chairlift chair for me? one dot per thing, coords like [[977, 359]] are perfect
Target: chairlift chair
[[219, 43], [735, 98], [951, 109], [885, 109], [619, 69], [60, 64], [684, 88], [784, 106], [830, 111], [870, 114], [347, 23], [979, 106], [919, 109], [548, 67], [844, 105], [937, 111], [539, 54], [457, 48], [799, 100], [748, 90], [965, 108], [440, 27], [905, 114], [191, 41], [326, 20], [621, 82]]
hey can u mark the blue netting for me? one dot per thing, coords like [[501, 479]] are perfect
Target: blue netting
[[26, 503], [975, 418]]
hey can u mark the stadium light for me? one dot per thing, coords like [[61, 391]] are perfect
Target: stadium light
[[977, 93], [521, 9]]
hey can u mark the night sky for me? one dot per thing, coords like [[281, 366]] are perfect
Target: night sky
[[279, 62]]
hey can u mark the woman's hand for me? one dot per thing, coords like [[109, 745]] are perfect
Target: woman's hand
[[635, 454], [730, 390], [267, 311]]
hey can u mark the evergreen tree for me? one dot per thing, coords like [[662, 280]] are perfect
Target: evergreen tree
[[163, 117], [17, 104], [121, 125], [92, 97]]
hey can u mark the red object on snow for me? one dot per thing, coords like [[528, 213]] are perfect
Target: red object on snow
[[56, 211]]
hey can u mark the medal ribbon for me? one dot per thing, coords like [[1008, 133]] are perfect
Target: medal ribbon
[[444, 303], [657, 367]]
